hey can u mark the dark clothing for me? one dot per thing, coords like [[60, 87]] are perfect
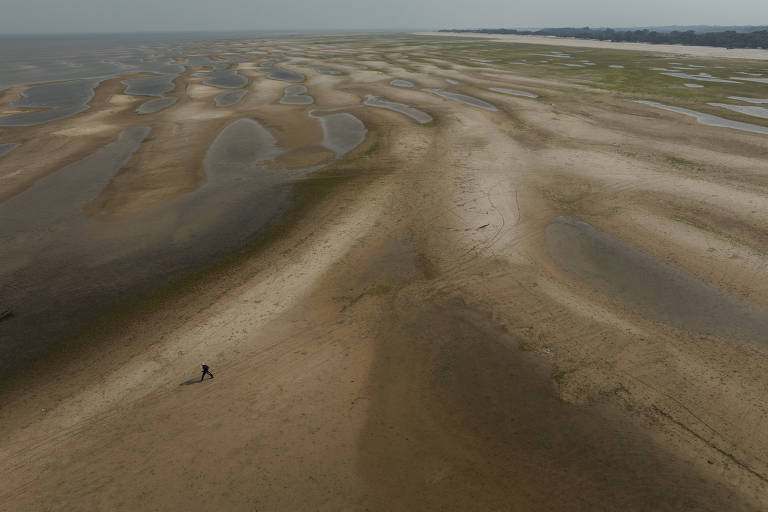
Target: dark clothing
[[205, 371]]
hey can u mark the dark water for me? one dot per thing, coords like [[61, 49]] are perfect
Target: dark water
[[343, 132], [322, 69], [155, 105], [227, 99], [60, 268], [229, 79], [401, 83], [296, 95], [39, 58], [650, 287], [149, 85], [284, 75], [59, 100]]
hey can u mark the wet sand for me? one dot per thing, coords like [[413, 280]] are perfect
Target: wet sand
[[551, 305]]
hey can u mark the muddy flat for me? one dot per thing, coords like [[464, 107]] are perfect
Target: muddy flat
[[428, 273]]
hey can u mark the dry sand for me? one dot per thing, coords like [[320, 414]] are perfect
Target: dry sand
[[411, 343]]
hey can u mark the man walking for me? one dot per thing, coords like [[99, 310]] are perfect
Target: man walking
[[205, 370]]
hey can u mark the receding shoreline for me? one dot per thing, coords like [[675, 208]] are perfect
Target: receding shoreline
[[416, 295]]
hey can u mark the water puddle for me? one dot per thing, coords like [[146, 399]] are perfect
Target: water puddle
[[574, 65], [513, 92], [7, 148], [342, 132], [296, 95], [746, 79], [757, 101], [653, 288], [202, 61], [233, 58], [485, 61], [452, 82], [700, 78], [749, 110], [284, 75], [323, 69], [240, 146], [155, 105], [463, 98], [149, 85], [415, 114], [401, 83], [227, 99], [616, 66], [694, 86], [229, 79], [61, 99], [709, 119]]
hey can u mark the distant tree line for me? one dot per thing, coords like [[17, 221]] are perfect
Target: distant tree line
[[757, 38]]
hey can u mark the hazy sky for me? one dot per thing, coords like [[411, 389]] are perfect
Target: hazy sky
[[48, 16]]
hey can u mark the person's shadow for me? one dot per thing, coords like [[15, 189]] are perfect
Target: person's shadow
[[190, 382]]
